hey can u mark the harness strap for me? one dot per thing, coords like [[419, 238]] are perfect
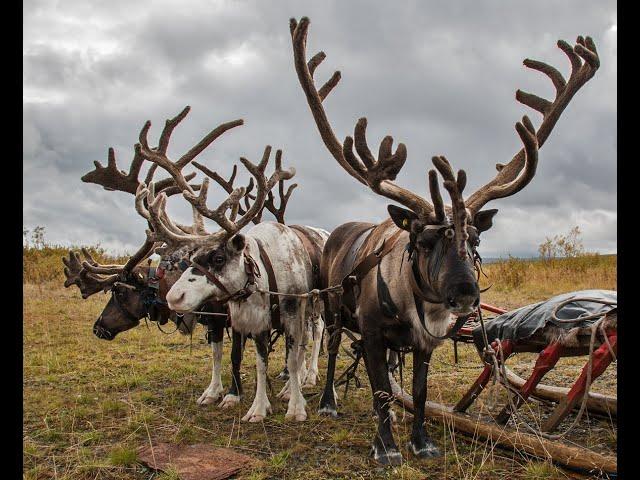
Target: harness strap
[[313, 251], [371, 260], [211, 277], [273, 286], [422, 293]]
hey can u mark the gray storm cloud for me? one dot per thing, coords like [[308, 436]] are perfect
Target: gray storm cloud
[[439, 77]]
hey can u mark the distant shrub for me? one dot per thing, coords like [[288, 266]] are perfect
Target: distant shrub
[[569, 245]]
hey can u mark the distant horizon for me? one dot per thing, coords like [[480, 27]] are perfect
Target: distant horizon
[[123, 251]]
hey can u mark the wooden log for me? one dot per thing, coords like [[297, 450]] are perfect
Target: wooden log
[[597, 402], [563, 455]]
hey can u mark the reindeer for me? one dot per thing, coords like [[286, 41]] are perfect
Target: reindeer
[[406, 276], [229, 267], [140, 294]]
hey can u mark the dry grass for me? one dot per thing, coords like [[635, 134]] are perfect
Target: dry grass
[[517, 282], [88, 404]]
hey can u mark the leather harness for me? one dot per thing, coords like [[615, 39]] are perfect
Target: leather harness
[[314, 253], [252, 271], [274, 303], [422, 292], [371, 260]]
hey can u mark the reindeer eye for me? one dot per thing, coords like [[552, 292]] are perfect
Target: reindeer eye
[[218, 260], [427, 239]]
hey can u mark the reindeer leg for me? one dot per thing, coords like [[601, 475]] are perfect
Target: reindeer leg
[[328, 399], [421, 445], [261, 405], [394, 359], [384, 448], [215, 390], [312, 373], [296, 408], [284, 374], [232, 398]]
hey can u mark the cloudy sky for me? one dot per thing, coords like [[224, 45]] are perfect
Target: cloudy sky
[[438, 76]]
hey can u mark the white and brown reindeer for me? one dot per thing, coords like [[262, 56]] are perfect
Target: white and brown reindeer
[[138, 291], [417, 268], [230, 267]]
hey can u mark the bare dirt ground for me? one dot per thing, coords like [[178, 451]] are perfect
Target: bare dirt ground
[[89, 404]]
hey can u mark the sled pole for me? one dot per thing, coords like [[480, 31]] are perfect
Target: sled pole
[[597, 402], [561, 454]]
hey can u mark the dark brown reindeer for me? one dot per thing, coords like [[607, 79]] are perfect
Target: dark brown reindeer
[[403, 278]]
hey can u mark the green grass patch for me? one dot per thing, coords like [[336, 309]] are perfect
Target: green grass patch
[[122, 456]]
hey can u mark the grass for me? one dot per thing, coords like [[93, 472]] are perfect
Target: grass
[[89, 404]]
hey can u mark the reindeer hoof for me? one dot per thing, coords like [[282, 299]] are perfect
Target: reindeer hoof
[[204, 400], [429, 450], [283, 375], [330, 411], [311, 380], [298, 417], [254, 419], [389, 457], [209, 396], [229, 401]]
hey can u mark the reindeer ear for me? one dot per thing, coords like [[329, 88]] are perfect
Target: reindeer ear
[[237, 242], [404, 219], [483, 220]]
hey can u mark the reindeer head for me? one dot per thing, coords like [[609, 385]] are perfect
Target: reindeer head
[[443, 239], [129, 285], [220, 265], [134, 295]]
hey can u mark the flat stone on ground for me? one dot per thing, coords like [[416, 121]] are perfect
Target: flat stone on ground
[[195, 462]]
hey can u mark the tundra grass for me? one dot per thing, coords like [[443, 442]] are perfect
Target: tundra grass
[[89, 404]]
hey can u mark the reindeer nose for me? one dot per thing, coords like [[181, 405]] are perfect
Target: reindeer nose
[[174, 299], [101, 332], [463, 297]]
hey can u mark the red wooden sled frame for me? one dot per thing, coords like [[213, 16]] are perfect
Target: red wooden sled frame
[[547, 359]]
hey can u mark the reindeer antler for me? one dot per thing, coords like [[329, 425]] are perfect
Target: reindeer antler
[[159, 155], [378, 174], [455, 185], [113, 179], [517, 174], [278, 212], [165, 230], [263, 186], [227, 185], [143, 252], [87, 283]]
